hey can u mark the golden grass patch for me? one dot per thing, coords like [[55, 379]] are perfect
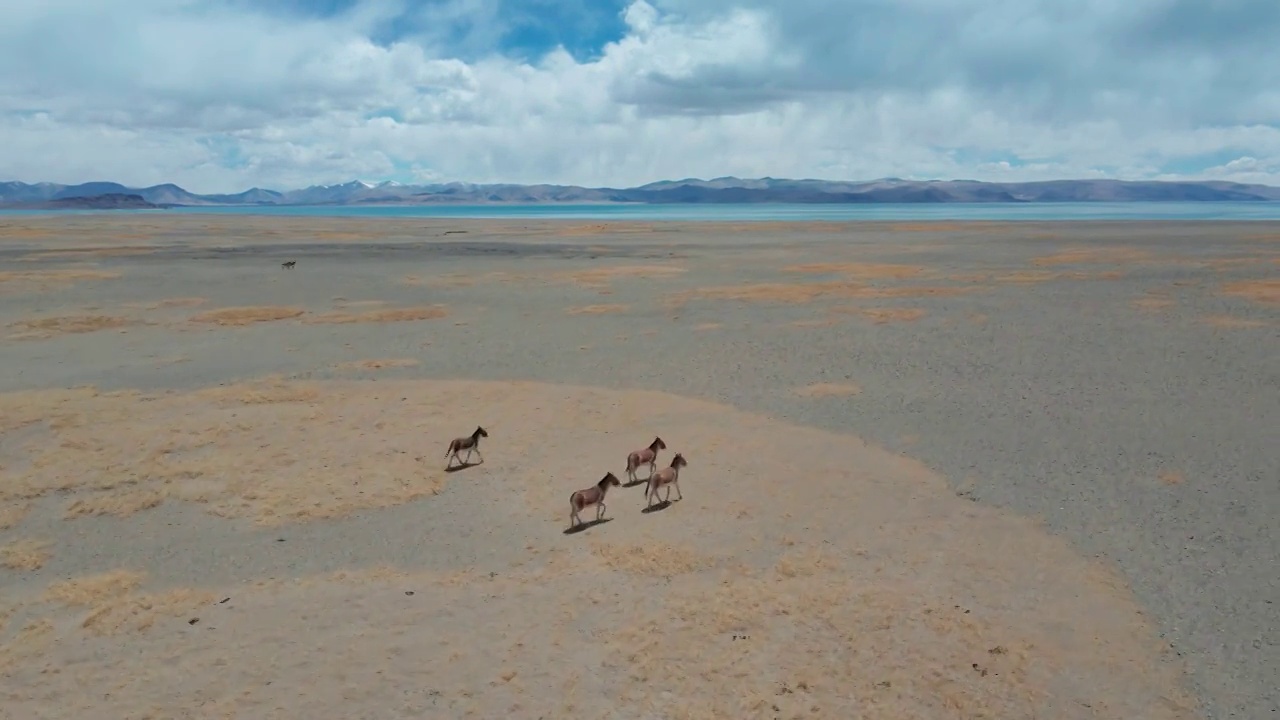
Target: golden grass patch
[[1260, 291], [89, 252], [28, 645], [860, 270], [240, 316], [1027, 277], [1231, 323], [708, 326], [55, 277], [1172, 477], [803, 642], [25, 555], [801, 293], [13, 513], [652, 559], [601, 277], [93, 590], [385, 364], [178, 302], [407, 314], [597, 309], [273, 450], [138, 612], [119, 503], [1155, 303], [1089, 255], [818, 390], [47, 327], [882, 316]]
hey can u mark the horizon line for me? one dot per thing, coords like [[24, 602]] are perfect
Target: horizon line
[[374, 184]]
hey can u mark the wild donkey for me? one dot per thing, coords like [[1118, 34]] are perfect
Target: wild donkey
[[471, 444], [288, 265], [669, 475], [640, 457], [594, 495]]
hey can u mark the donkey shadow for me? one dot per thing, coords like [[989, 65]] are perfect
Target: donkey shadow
[[587, 525], [462, 466], [634, 483], [659, 506]]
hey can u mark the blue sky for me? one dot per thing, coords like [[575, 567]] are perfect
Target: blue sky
[[222, 95]]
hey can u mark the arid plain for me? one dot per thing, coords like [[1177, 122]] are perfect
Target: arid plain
[[969, 470]]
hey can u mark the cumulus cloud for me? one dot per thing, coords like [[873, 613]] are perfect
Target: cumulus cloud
[[221, 95]]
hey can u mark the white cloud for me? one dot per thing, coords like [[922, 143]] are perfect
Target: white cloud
[[217, 96]]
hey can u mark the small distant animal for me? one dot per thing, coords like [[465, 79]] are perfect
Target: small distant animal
[[470, 443], [669, 475], [579, 500], [288, 265], [646, 455]]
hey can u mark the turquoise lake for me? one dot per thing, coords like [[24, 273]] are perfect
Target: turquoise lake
[[755, 212]]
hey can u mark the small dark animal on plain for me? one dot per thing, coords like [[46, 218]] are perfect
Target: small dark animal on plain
[[669, 475], [594, 495], [288, 265], [470, 443], [640, 457]]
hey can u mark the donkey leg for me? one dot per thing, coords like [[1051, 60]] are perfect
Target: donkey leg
[[478, 454], [600, 512], [679, 495]]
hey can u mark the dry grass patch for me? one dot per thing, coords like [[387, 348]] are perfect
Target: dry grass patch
[[94, 590], [120, 503], [138, 612], [860, 271], [274, 451], [801, 293], [1172, 477], [43, 328], [1156, 303], [12, 514], [48, 279], [1231, 323], [708, 326], [178, 302], [1260, 291], [240, 316], [819, 390], [28, 645], [25, 555], [652, 559], [387, 364], [597, 309], [600, 278], [883, 316], [408, 314], [1028, 277], [89, 252], [1088, 255]]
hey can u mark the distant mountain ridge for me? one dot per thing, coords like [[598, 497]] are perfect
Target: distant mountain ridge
[[691, 190]]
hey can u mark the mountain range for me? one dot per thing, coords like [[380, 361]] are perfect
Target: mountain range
[[718, 190]]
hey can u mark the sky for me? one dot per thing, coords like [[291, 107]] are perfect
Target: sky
[[224, 95]]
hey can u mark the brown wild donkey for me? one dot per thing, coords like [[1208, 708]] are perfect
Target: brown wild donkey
[[669, 475], [640, 457], [594, 495], [470, 443]]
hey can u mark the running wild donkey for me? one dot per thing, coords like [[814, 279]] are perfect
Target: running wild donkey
[[471, 444], [594, 495], [667, 476], [640, 457]]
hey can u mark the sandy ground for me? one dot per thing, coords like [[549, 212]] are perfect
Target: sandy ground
[[935, 470]]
